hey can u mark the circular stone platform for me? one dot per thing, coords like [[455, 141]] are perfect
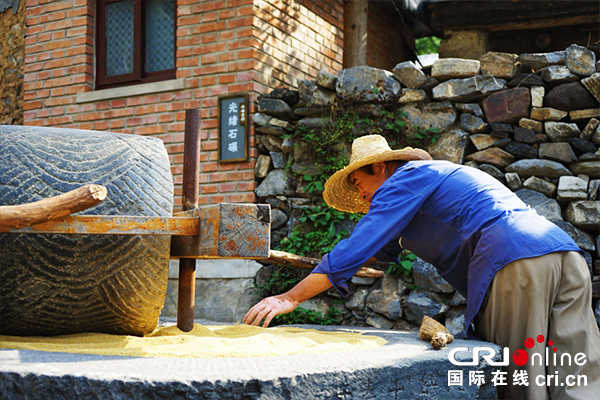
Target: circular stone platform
[[404, 368]]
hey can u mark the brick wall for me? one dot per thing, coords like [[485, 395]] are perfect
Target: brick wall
[[387, 36], [223, 47]]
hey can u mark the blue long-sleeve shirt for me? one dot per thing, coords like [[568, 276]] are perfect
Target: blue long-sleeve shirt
[[457, 218]]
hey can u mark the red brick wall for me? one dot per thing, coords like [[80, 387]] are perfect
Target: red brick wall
[[387, 36], [223, 47]]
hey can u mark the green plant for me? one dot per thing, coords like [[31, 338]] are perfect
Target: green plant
[[304, 316], [318, 233], [423, 134], [279, 281], [313, 184], [428, 45], [404, 266]]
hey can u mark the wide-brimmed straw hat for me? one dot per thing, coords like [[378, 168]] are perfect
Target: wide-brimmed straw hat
[[344, 196]]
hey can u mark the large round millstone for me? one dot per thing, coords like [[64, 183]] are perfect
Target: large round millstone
[[405, 368], [56, 284]]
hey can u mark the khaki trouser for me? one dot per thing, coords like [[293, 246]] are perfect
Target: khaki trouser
[[550, 296]]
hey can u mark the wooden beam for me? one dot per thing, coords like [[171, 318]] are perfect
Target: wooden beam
[[186, 293], [227, 231], [292, 260], [22, 215], [355, 32], [113, 225]]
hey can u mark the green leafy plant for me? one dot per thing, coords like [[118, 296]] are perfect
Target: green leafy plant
[[428, 45], [423, 135], [304, 316], [313, 184], [319, 231], [279, 281], [404, 266]]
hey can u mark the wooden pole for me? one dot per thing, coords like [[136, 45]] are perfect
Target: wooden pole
[[355, 32], [292, 260], [19, 216], [191, 176]]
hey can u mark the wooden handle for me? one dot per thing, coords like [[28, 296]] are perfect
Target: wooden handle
[[23, 215], [292, 260]]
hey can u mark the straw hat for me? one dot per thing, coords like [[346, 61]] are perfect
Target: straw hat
[[341, 194]]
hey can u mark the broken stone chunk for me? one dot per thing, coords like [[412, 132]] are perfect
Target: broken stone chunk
[[409, 75], [580, 60], [541, 60], [473, 124], [570, 96], [469, 89], [561, 131], [547, 114], [536, 126], [501, 65], [571, 188], [558, 74], [537, 96], [561, 152], [411, 96], [540, 185], [507, 106], [584, 214], [326, 80], [513, 181], [495, 156], [540, 168], [454, 68], [580, 115], [592, 84], [589, 129]]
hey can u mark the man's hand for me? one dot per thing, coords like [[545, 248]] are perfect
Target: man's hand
[[284, 303], [268, 308]]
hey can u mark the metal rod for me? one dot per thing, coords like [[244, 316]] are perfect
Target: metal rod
[[191, 177]]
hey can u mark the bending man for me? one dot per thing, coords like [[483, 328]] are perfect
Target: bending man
[[522, 276]]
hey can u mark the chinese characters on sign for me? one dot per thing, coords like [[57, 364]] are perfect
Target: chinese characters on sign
[[233, 128]]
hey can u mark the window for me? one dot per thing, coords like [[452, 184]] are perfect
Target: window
[[135, 42]]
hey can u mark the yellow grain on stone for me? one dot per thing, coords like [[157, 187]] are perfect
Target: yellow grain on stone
[[201, 342]]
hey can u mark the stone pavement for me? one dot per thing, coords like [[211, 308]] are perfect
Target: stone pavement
[[405, 368]]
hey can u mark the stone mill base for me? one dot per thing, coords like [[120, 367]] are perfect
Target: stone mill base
[[404, 368]]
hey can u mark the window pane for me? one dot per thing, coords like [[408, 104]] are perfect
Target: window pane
[[119, 38], [160, 37]]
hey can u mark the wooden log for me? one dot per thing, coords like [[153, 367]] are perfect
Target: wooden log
[[113, 225], [186, 292], [292, 260], [54, 207], [355, 33], [227, 231]]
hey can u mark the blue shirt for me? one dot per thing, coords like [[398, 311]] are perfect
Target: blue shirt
[[457, 218]]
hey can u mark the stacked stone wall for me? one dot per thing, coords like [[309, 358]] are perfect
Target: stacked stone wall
[[532, 121]]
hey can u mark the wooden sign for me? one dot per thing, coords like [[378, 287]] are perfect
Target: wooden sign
[[233, 128]]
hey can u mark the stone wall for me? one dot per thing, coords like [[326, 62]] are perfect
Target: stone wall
[[530, 120], [12, 37]]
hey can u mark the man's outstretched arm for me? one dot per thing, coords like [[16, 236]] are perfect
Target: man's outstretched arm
[[284, 303]]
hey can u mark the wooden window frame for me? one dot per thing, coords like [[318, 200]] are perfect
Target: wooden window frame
[[138, 75]]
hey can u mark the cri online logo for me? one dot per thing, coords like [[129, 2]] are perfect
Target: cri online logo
[[520, 356]]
